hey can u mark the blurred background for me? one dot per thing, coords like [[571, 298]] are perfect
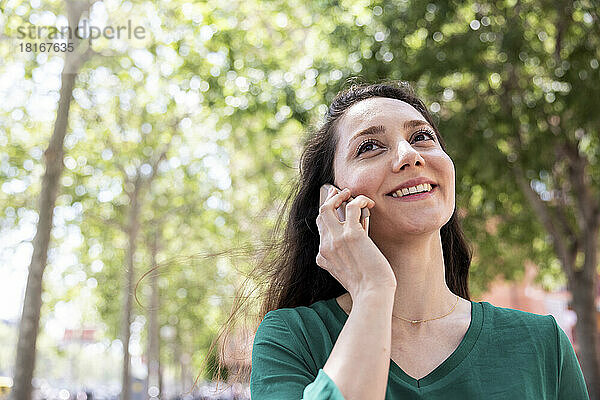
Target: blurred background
[[162, 132]]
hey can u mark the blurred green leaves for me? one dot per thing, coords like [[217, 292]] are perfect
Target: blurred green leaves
[[232, 89]]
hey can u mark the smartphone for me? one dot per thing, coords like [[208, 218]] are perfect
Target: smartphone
[[341, 210]]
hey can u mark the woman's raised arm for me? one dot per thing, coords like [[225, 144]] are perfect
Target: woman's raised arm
[[360, 360]]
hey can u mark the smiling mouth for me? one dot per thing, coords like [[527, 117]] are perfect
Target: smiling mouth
[[415, 190]]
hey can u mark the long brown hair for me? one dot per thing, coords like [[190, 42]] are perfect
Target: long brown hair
[[287, 267]]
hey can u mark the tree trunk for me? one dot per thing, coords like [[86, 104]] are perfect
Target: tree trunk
[[582, 282], [132, 231], [585, 333], [160, 377], [183, 359], [177, 364], [584, 289], [30, 317], [567, 243], [153, 327], [584, 279]]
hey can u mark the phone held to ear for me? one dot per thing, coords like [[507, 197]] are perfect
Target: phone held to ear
[[341, 210]]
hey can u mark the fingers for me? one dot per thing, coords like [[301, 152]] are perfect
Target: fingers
[[334, 197], [327, 212], [354, 209], [331, 214]]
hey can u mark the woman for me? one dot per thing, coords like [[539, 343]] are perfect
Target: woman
[[386, 313]]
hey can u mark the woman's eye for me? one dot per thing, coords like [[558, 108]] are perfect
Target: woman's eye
[[365, 146], [368, 144], [426, 134]]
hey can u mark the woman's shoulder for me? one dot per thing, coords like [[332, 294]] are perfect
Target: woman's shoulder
[[504, 314], [297, 339], [308, 322], [318, 312], [512, 322]]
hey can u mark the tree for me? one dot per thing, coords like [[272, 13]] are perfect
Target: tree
[[136, 182], [154, 371], [139, 183], [29, 326]]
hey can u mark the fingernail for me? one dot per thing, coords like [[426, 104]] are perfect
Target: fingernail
[[331, 190]]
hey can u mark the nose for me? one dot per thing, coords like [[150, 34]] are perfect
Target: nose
[[406, 156]]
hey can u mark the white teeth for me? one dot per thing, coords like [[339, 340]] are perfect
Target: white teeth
[[419, 188]]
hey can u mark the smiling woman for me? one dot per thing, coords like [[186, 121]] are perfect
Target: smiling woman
[[385, 313]]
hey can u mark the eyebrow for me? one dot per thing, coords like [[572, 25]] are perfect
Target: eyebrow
[[374, 130]]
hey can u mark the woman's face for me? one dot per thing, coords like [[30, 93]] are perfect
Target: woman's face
[[401, 146]]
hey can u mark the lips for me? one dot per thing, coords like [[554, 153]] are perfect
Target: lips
[[412, 182], [416, 196], [433, 186]]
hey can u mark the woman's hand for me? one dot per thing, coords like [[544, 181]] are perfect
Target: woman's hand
[[345, 249]]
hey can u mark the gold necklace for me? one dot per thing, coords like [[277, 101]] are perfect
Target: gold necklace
[[416, 321]]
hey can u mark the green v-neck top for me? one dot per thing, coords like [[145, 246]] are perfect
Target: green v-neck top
[[504, 354]]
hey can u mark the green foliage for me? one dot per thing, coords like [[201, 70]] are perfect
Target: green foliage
[[229, 99]]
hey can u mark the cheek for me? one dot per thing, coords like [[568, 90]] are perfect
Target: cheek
[[359, 182], [445, 167], [450, 169], [448, 175]]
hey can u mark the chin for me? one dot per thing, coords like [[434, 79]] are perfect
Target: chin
[[402, 230]]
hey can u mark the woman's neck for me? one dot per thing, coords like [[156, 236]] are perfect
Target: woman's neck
[[421, 291], [418, 264]]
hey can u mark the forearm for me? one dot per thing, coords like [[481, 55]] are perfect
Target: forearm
[[360, 360]]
